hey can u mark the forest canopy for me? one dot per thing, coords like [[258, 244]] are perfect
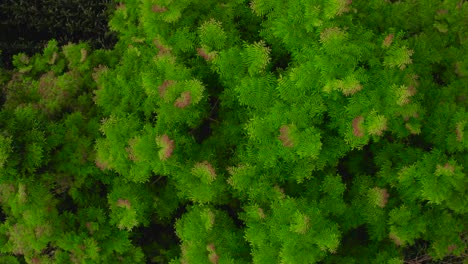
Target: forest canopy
[[237, 131]]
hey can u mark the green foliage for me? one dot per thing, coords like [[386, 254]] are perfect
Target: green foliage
[[49, 182], [208, 236], [261, 131]]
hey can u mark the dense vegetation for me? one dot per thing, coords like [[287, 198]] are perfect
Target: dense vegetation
[[262, 131]]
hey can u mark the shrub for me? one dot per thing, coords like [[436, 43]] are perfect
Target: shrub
[[261, 131]]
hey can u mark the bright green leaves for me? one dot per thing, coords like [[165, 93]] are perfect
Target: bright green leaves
[[439, 181], [77, 56], [398, 57], [51, 52], [291, 227], [256, 92], [261, 7], [332, 189], [208, 218], [57, 92], [51, 58], [22, 62], [300, 223], [312, 14], [407, 176], [378, 197], [229, 65], [362, 127], [348, 85], [275, 140], [447, 127], [111, 150], [183, 102], [183, 39], [209, 237], [309, 143], [184, 94], [25, 124], [128, 204], [126, 149], [405, 225], [332, 38], [256, 57], [336, 8], [48, 128], [447, 234], [376, 124], [85, 249], [335, 86], [402, 94], [120, 18], [333, 186], [202, 184], [444, 184], [212, 35], [169, 16], [205, 171], [242, 178], [32, 217], [300, 83], [330, 238]]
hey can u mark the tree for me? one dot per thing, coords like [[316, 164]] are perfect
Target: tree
[[262, 131]]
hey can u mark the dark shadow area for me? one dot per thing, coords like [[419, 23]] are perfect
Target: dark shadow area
[[27, 26], [94, 193], [418, 141], [66, 204], [280, 62], [357, 162], [233, 209], [358, 235], [437, 75], [2, 215], [203, 131], [354, 243], [418, 253], [159, 242], [248, 25]]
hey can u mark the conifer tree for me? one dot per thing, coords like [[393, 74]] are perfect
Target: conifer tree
[[261, 131]]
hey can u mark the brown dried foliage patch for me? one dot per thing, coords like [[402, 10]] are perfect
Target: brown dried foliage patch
[[357, 130], [203, 53], [164, 86], [184, 100], [388, 40], [169, 146], [158, 9], [102, 165], [163, 50], [459, 132], [396, 239], [123, 203], [285, 136]]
